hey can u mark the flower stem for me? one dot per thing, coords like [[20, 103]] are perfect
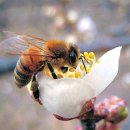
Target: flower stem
[[89, 124]]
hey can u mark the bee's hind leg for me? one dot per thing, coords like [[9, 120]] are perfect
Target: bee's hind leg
[[35, 86], [35, 90]]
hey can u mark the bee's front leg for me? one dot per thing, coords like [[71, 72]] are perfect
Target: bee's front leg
[[35, 90], [52, 71]]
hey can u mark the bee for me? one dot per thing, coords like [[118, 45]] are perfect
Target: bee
[[37, 53]]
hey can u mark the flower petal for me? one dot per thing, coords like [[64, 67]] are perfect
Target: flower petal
[[103, 73], [65, 97]]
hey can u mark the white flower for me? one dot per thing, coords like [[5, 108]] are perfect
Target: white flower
[[65, 97]]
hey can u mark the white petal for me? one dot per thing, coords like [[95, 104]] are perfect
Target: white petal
[[65, 97], [102, 74]]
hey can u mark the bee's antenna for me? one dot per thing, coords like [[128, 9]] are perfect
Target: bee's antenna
[[81, 58]]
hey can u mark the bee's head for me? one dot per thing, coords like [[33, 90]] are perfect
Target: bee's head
[[73, 56]]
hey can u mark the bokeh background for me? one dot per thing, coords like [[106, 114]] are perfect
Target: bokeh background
[[94, 25]]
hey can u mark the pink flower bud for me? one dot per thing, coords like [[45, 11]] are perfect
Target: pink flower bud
[[113, 109]]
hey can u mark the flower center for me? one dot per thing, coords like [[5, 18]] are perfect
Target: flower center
[[87, 61], [90, 59]]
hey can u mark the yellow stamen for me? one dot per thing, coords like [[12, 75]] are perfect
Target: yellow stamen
[[86, 54], [87, 58], [82, 67], [92, 55], [88, 68]]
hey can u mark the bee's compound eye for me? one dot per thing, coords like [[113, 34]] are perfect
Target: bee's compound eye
[[72, 57], [64, 69]]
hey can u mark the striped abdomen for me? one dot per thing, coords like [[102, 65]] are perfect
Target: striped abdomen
[[27, 65], [22, 74]]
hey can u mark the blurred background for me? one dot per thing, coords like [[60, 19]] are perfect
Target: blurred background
[[93, 25]]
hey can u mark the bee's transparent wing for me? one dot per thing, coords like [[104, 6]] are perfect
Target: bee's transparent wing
[[12, 45], [39, 42], [17, 45]]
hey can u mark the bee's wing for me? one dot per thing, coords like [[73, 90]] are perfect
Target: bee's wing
[[39, 42], [17, 45]]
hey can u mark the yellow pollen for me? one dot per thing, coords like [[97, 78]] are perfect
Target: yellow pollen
[[71, 69], [86, 54], [88, 68], [91, 60], [71, 75], [77, 75], [91, 55], [81, 67], [87, 58]]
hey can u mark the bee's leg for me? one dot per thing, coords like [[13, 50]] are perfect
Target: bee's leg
[[35, 85], [52, 71], [35, 90]]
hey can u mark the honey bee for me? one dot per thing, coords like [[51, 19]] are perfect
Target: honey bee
[[36, 53]]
